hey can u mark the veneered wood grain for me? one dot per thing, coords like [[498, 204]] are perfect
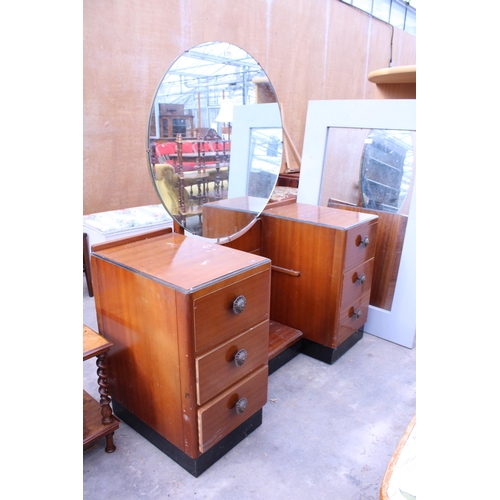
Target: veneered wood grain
[[152, 321], [281, 337], [167, 257], [308, 249], [248, 241], [348, 323], [214, 318], [312, 241], [356, 252], [218, 417], [135, 314], [216, 369], [388, 250], [230, 216]]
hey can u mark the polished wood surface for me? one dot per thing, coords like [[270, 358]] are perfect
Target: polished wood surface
[[352, 288], [166, 302], [214, 318], [217, 369], [319, 245], [93, 343], [169, 257], [218, 417], [230, 216], [249, 241], [319, 216], [388, 250], [281, 337]]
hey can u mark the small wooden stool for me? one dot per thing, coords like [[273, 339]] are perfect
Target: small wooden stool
[[98, 418]]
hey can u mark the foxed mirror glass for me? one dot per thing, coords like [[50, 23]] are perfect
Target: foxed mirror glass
[[369, 168], [215, 141]]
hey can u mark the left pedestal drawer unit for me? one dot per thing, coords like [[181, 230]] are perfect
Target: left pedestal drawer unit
[[189, 323]]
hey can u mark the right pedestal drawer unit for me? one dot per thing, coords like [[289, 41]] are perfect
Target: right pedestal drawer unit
[[322, 267]]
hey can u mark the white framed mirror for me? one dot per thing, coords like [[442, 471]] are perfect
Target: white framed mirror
[[337, 119]]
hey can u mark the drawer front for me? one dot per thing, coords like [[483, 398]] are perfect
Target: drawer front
[[219, 416], [357, 282], [349, 322], [218, 369], [356, 251], [214, 318]]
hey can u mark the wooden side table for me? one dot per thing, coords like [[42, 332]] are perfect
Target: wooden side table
[[98, 418]]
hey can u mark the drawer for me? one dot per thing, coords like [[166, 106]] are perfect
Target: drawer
[[349, 322], [217, 370], [356, 252], [357, 282], [214, 318], [220, 416]]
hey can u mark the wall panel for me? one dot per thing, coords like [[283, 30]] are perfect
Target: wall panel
[[321, 49]]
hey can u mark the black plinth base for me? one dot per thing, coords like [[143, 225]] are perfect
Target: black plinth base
[[195, 466], [284, 357], [328, 354]]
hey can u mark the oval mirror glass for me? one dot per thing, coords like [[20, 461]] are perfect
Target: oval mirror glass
[[215, 141]]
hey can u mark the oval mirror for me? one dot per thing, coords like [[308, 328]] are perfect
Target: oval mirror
[[215, 141]]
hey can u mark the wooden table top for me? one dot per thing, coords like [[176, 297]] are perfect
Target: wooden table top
[[183, 262], [93, 343], [318, 215]]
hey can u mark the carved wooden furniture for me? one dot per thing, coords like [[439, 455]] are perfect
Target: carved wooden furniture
[[189, 322], [170, 126], [98, 418], [322, 263]]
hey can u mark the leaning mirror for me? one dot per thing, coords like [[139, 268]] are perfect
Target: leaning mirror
[[215, 141], [369, 168]]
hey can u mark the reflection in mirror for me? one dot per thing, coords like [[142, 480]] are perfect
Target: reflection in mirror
[[386, 169], [265, 155], [370, 168], [195, 113]]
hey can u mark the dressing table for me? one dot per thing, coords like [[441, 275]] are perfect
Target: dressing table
[[201, 315]]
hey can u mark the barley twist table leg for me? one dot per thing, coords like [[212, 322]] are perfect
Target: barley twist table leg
[[102, 380]]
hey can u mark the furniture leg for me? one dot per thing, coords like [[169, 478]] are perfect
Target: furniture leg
[[86, 265], [102, 380]]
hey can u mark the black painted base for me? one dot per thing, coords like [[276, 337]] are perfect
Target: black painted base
[[284, 357], [328, 354], [195, 466]]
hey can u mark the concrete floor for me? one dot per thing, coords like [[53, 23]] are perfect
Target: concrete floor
[[328, 432]]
